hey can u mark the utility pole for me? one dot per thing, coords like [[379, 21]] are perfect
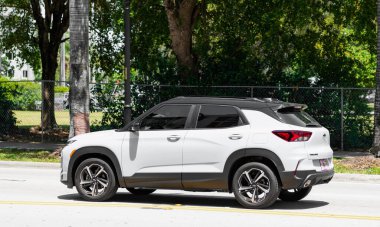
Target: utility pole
[[62, 74], [127, 62]]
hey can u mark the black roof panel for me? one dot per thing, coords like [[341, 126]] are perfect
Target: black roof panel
[[244, 103]]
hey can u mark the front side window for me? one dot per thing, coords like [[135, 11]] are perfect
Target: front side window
[[218, 117], [166, 118]]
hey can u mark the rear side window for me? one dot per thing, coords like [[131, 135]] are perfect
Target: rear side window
[[166, 117], [297, 117], [211, 116]]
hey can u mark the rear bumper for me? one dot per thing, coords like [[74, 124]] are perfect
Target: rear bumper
[[304, 179]]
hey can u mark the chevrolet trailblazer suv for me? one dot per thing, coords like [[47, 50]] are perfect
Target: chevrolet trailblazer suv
[[259, 149]]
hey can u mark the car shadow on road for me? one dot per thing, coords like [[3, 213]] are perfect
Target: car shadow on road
[[198, 200]]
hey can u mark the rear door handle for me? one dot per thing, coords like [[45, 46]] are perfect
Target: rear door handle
[[173, 138], [235, 137]]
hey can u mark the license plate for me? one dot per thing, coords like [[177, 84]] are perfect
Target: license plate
[[324, 164]]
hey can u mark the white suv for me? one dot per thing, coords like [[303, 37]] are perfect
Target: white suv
[[259, 149]]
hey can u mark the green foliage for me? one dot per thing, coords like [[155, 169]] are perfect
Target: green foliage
[[7, 118], [61, 89], [109, 100], [22, 94], [18, 33], [28, 94]]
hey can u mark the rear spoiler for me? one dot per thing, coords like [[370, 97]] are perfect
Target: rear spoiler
[[289, 107]]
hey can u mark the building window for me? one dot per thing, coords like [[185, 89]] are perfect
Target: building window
[[25, 73]]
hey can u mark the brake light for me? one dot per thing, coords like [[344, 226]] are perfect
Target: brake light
[[293, 136]]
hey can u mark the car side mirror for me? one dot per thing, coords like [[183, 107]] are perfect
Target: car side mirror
[[135, 127]]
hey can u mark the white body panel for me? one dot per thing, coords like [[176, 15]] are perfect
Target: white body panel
[[109, 139], [152, 152], [290, 153], [206, 150]]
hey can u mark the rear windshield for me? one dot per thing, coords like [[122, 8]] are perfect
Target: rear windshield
[[297, 117]]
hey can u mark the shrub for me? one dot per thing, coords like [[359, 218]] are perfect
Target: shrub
[[7, 118]]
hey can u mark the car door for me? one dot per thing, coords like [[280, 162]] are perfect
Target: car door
[[152, 156], [219, 131]]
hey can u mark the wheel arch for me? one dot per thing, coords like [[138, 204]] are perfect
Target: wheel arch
[[94, 152], [243, 156]]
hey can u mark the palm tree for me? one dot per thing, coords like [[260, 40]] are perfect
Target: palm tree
[[79, 69]]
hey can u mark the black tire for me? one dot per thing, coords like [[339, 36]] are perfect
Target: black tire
[[141, 191], [292, 196], [268, 182], [105, 177]]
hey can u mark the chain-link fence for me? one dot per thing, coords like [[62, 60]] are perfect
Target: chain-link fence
[[346, 112]]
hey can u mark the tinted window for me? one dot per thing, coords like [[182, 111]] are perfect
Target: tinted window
[[218, 117], [166, 117], [297, 117]]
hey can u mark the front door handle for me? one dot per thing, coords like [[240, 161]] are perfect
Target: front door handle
[[235, 137], [173, 138]]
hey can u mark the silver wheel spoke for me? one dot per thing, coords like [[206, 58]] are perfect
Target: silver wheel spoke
[[245, 188], [263, 189], [104, 184], [100, 171], [253, 196], [248, 177], [85, 182], [89, 171], [93, 190], [259, 177]]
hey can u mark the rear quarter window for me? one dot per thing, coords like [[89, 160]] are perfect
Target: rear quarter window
[[297, 117]]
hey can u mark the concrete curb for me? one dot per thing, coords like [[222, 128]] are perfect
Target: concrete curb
[[361, 178], [41, 165], [338, 177]]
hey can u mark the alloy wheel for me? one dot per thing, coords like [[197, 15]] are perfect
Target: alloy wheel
[[254, 185], [94, 180]]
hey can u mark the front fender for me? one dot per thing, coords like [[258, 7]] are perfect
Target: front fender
[[93, 152]]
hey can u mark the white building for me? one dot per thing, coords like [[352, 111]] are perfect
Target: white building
[[19, 72], [24, 73]]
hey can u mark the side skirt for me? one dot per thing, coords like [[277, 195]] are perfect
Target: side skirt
[[184, 181]]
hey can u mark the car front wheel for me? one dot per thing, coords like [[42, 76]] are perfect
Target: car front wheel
[[255, 185], [95, 180]]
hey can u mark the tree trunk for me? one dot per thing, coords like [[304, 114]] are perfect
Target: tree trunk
[[79, 81], [376, 139], [181, 18], [51, 28], [49, 63]]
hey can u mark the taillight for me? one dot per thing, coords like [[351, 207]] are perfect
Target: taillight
[[292, 135]]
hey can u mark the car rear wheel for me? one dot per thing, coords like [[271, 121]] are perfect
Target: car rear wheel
[[140, 191], [292, 195], [95, 180], [255, 185]]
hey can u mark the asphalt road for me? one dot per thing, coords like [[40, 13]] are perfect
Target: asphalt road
[[35, 197]]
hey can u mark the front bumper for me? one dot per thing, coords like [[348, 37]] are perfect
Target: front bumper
[[304, 178], [63, 178]]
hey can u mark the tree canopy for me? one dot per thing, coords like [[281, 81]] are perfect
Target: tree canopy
[[294, 43]]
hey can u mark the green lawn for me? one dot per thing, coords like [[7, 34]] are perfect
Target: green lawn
[[33, 118], [27, 156]]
